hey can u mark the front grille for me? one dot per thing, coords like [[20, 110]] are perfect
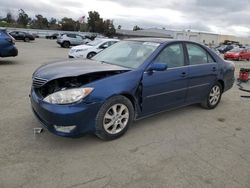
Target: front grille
[[38, 82]]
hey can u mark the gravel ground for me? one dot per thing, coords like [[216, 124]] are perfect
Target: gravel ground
[[188, 147]]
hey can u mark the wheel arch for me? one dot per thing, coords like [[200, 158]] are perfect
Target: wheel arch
[[132, 99], [222, 84]]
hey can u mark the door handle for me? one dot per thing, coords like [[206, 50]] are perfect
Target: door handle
[[183, 74], [214, 69]]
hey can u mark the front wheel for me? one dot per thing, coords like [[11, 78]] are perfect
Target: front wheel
[[213, 98], [66, 44], [114, 118], [91, 54]]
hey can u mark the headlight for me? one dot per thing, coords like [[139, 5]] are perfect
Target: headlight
[[68, 96], [81, 50]]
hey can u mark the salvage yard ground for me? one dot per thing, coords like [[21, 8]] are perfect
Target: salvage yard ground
[[188, 147]]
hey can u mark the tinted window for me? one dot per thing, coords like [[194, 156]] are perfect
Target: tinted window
[[197, 55], [172, 56], [71, 35]]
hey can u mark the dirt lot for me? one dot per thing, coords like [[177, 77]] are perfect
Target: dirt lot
[[189, 147]]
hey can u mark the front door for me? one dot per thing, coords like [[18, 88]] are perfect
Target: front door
[[166, 89]]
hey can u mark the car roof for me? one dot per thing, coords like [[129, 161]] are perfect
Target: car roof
[[148, 39]]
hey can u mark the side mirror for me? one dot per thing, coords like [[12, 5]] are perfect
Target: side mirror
[[157, 67]]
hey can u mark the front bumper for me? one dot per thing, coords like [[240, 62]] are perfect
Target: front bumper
[[81, 115]]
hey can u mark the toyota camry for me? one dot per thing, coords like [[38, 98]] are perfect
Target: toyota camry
[[132, 79]]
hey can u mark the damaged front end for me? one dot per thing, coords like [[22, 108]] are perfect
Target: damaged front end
[[44, 88]]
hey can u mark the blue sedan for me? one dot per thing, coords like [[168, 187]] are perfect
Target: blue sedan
[[132, 79]]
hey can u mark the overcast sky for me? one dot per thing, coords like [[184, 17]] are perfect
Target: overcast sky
[[219, 16]]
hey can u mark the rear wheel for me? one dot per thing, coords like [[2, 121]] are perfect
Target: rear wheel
[[114, 118], [213, 98], [91, 54], [66, 44], [26, 39]]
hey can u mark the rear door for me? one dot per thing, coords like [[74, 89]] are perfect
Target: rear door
[[72, 39], [166, 89], [203, 71], [79, 40]]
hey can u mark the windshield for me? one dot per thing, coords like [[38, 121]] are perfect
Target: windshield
[[95, 42], [130, 54]]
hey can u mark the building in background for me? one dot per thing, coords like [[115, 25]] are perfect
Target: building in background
[[196, 36]]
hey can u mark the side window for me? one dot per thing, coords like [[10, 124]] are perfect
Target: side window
[[79, 37], [172, 55], [197, 55], [71, 35], [106, 44], [112, 42]]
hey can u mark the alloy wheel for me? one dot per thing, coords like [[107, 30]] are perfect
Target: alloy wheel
[[214, 95], [116, 119]]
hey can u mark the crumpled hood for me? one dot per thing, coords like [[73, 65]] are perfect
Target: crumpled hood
[[72, 68]]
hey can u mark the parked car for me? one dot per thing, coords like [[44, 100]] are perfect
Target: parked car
[[238, 54], [35, 35], [7, 45], [91, 49], [225, 48], [70, 39], [130, 80], [52, 36], [20, 35]]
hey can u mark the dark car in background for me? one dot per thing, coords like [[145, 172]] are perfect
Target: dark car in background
[[7, 45], [20, 35], [225, 48], [130, 80], [52, 36]]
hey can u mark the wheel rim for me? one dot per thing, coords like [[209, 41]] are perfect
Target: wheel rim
[[91, 55], [214, 95], [116, 119]]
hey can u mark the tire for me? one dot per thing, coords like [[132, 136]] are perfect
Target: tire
[[66, 44], [114, 118], [26, 39], [212, 101], [90, 55]]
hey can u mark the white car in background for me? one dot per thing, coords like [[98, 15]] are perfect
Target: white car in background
[[91, 49]]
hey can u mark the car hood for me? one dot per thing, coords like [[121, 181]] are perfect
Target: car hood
[[82, 47], [73, 68]]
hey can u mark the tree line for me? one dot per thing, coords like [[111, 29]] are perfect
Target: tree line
[[94, 23]]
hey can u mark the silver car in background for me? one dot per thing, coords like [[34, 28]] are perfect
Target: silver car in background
[[70, 39]]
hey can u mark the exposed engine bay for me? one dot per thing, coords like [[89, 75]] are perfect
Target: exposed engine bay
[[73, 82]]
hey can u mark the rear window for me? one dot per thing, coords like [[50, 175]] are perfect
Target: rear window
[[197, 55]]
